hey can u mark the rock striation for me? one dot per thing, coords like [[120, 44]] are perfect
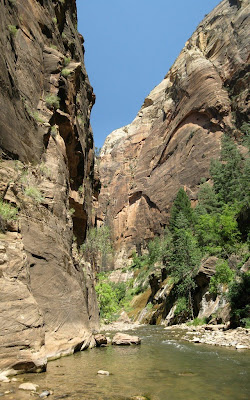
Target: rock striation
[[177, 131], [48, 306]]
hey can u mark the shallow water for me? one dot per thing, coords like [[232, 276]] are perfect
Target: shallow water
[[161, 368]]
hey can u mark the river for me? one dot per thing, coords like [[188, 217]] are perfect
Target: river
[[162, 368]]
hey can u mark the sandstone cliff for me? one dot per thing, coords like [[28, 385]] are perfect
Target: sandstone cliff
[[178, 130], [47, 300]]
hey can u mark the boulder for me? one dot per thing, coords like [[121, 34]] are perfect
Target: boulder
[[122, 339], [100, 339]]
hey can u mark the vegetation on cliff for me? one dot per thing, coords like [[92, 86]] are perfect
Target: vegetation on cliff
[[217, 226]]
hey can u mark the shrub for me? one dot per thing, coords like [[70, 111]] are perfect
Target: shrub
[[181, 306], [53, 46], [54, 20], [66, 59], [7, 211], [34, 193], [65, 72], [223, 275], [239, 297], [198, 321], [37, 117], [52, 101], [13, 30]]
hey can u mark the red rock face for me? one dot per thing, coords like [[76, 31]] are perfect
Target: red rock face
[[177, 131], [47, 304]]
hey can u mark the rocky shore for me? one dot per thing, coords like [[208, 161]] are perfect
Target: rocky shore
[[216, 335]]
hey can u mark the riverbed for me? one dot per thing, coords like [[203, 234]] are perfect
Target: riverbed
[[163, 367]]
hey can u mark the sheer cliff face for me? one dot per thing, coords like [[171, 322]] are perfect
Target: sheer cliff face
[[177, 131], [47, 301]]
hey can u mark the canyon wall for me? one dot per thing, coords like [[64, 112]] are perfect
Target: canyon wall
[[177, 131], [47, 300]]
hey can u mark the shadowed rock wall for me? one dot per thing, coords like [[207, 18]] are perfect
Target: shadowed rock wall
[[47, 301], [178, 130]]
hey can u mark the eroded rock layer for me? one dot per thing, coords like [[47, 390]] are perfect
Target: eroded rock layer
[[178, 130], [47, 301]]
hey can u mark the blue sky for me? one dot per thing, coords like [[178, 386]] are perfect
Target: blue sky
[[129, 47]]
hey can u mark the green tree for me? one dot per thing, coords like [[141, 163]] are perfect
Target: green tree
[[97, 246], [239, 297], [185, 258], [181, 204], [227, 171], [223, 276]]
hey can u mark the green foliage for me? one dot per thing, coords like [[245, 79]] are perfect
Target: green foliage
[[239, 297], [13, 30], [65, 72], [181, 204], [53, 46], [66, 59], [54, 19], [218, 232], [223, 276], [207, 200], [37, 117], [186, 256], [245, 127], [52, 101], [97, 245], [198, 321], [34, 193], [181, 306], [7, 211], [227, 171], [110, 297]]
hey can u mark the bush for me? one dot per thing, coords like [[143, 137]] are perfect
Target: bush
[[7, 211], [223, 275], [52, 101], [198, 321], [34, 193], [239, 297], [66, 59], [181, 306], [13, 30], [65, 72]]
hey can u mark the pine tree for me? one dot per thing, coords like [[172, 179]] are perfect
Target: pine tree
[[227, 172], [185, 258], [181, 204]]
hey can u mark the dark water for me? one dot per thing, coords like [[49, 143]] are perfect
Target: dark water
[[162, 368]]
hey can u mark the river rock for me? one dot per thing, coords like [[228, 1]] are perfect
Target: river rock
[[139, 398], [100, 339], [45, 393], [28, 386], [121, 339], [102, 372]]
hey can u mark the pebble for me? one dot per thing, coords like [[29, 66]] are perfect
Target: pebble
[[44, 394], [102, 372]]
